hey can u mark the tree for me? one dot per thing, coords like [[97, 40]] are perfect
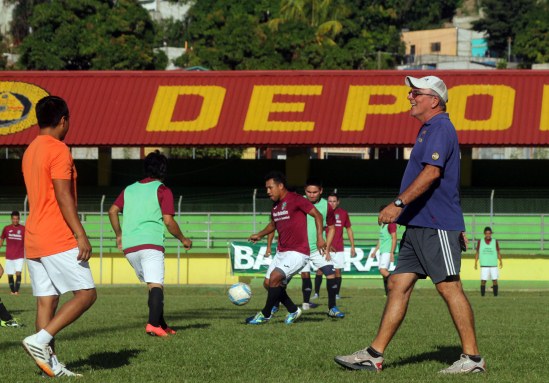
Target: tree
[[322, 15], [421, 14], [240, 35], [532, 43], [90, 34], [3, 49], [503, 21]]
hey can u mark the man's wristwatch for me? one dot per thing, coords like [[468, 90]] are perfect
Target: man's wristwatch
[[398, 203]]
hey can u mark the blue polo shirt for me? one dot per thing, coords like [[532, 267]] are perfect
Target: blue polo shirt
[[440, 206]]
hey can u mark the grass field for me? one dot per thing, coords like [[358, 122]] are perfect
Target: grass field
[[108, 344]]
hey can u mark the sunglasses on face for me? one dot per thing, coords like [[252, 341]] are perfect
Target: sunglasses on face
[[414, 93]]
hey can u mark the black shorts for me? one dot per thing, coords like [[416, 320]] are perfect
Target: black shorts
[[429, 252]]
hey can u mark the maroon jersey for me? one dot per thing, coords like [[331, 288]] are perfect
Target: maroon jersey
[[165, 200], [15, 238], [290, 218], [342, 220]]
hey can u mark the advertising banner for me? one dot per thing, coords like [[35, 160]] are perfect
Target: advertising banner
[[328, 108], [249, 259]]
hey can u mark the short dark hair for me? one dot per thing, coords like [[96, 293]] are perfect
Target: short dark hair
[[334, 194], [15, 213], [487, 228], [50, 110], [277, 177], [156, 165], [313, 181]]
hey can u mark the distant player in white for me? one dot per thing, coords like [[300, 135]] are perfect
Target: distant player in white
[[337, 254], [14, 235], [488, 253]]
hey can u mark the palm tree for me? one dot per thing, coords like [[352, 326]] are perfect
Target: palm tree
[[323, 15]]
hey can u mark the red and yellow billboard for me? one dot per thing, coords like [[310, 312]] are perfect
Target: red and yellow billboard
[[270, 108]]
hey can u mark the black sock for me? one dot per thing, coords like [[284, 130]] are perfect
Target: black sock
[[156, 305], [482, 290], [17, 283], [495, 290], [475, 358], [4, 314], [306, 288], [12, 284], [338, 280], [374, 353], [385, 283], [331, 286], [273, 297], [163, 323], [318, 283], [287, 302]]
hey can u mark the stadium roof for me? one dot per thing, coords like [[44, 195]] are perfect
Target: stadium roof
[[273, 108]]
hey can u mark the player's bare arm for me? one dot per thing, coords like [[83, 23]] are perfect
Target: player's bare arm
[[175, 230], [320, 243], [351, 236], [393, 245], [67, 205], [115, 223], [476, 256], [373, 255], [420, 185], [329, 240], [270, 238], [270, 228]]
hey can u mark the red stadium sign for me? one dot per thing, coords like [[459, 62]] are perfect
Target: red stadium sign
[[269, 108]]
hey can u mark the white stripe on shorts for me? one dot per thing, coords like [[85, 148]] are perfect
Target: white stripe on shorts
[[446, 252]]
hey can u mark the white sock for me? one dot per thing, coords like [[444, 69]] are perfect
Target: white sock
[[43, 337]]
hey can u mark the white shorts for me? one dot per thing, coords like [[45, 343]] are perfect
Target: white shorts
[[14, 266], [148, 265], [338, 259], [290, 262], [316, 260], [384, 261], [59, 273], [489, 273]]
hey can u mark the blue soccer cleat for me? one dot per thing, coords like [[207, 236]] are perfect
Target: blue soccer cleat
[[292, 317], [274, 310], [335, 313], [259, 318]]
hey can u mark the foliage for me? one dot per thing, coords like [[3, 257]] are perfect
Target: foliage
[[503, 21], [421, 14], [200, 153], [90, 34], [532, 42], [3, 49], [291, 35], [108, 343], [169, 32]]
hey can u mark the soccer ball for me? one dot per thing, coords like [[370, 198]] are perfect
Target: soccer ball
[[239, 293]]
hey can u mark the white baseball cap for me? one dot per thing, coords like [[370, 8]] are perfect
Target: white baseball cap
[[429, 82]]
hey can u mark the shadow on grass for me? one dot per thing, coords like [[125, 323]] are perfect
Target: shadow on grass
[[106, 360], [192, 326], [443, 354]]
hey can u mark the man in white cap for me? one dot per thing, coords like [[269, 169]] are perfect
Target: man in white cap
[[429, 206]]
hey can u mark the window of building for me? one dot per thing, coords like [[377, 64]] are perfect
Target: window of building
[[435, 47], [412, 50]]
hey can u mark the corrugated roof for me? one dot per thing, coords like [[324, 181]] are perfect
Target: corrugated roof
[[270, 108]]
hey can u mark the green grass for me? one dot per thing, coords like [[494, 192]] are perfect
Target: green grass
[[108, 344]]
